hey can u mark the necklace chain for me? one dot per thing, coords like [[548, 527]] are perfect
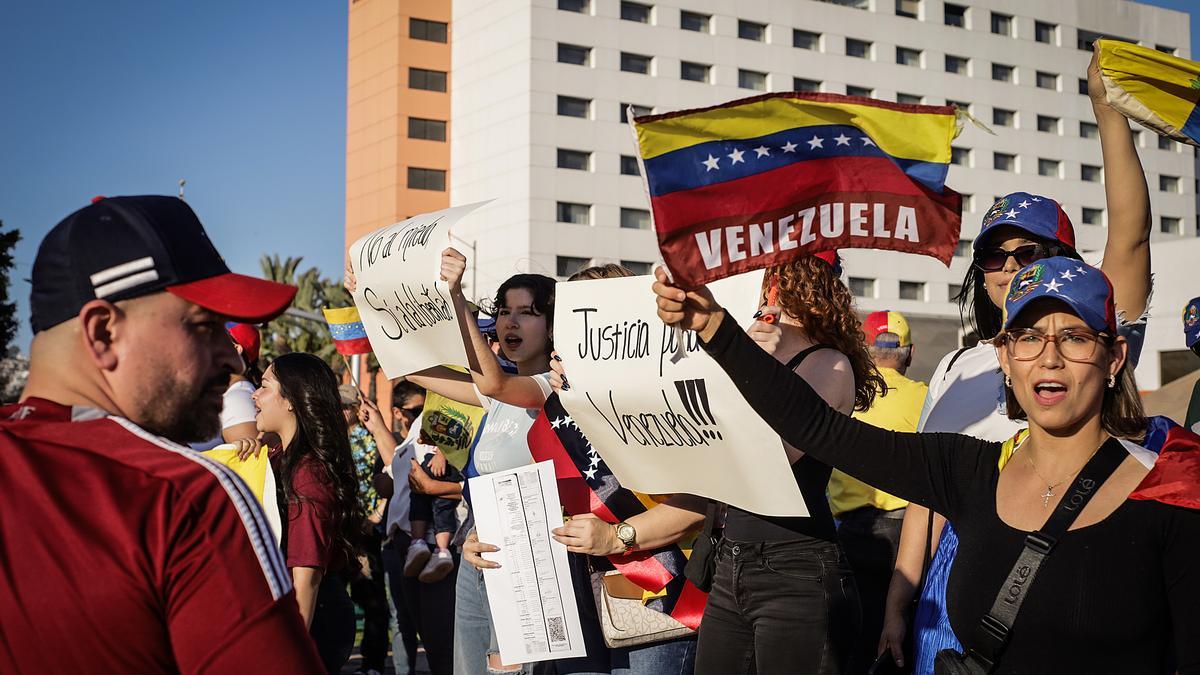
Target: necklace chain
[[1050, 486]]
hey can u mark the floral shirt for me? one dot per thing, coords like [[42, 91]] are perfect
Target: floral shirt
[[362, 449]]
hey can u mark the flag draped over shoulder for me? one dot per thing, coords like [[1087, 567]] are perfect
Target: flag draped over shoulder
[[760, 181], [1159, 91], [585, 485], [349, 335]]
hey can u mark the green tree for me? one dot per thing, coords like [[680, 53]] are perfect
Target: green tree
[[294, 333], [8, 310]]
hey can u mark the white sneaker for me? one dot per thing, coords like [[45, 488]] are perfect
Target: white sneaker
[[438, 567], [418, 555]]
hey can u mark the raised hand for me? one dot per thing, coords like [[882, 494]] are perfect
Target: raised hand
[[454, 264]]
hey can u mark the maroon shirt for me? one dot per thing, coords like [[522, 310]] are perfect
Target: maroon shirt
[[123, 552], [310, 519]]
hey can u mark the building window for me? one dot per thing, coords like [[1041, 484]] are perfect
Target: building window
[[579, 214], [854, 4], [1002, 161], [635, 11], [1166, 50], [426, 179], [749, 30], [565, 265], [862, 287], [635, 63], [694, 21], [637, 267], [1088, 130], [860, 49], [579, 160], [428, 130], [635, 219], [1093, 216], [906, 56], [751, 79], [569, 106], [1085, 38], [968, 202], [911, 99], [695, 72], [574, 54], [1168, 183], [429, 80], [801, 84], [1045, 32], [961, 105], [955, 15], [1165, 143], [433, 31], [1004, 118], [1090, 173], [580, 6], [865, 92], [1048, 124], [1083, 87], [1049, 167], [912, 290], [803, 39], [908, 8], [1170, 225], [963, 249], [960, 156], [1002, 24], [953, 291], [638, 111], [957, 64], [629, 166], [1047, 80], [1002, 73]]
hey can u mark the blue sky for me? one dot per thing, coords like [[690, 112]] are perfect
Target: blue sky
[[244, 100]]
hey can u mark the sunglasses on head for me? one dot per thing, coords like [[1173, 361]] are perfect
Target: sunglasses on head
[[994, 259]]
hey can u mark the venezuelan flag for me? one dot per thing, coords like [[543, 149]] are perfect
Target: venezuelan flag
[[349, 335], [1159, 91], [758, 181]]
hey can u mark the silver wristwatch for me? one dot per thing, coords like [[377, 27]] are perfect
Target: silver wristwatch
[[627, 535]]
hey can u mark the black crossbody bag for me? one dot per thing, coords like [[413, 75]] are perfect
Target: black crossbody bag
[[993, 630]]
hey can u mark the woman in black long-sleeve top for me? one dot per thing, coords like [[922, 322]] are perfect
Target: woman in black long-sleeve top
[[1120, 593]]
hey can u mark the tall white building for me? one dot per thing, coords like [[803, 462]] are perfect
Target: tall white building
[[539, 88]]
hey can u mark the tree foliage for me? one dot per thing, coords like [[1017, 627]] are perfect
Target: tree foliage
[[8, 310], [290, 333]]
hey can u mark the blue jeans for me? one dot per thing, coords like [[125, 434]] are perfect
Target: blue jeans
[[474, 637]]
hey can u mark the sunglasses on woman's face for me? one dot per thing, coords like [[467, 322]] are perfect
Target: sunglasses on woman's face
[[994, 259]]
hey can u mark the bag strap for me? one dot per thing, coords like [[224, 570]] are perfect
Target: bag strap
[[993, 630], [798, 358], [950, 366]]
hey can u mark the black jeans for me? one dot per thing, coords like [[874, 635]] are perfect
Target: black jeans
[[422, 609], [368, 590], [870, 538], [779, 607], [443, 513], [333, 623]]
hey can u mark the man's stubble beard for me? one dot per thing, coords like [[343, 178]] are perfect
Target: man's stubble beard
[[179, 412]]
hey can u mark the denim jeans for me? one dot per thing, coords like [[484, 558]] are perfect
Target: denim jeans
[[779, 607], [422, 609], [870, 537], [474, 637]]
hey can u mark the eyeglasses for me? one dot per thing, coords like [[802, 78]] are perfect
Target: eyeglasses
[[1074, 344], [994, 259], [413, 411]]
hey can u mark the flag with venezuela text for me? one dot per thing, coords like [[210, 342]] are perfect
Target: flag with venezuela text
[[760, 181]]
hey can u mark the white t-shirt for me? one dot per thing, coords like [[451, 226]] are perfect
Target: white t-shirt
[[237, 407], [503, 442], [398, 508]]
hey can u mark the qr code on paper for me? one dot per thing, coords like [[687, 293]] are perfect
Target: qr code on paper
[[557, 628]]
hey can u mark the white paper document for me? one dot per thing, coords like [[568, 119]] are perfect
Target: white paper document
[[531, 596]]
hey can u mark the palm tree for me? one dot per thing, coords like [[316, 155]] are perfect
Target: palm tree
[[291, 333]]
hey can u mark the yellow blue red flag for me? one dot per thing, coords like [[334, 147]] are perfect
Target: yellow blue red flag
[[759, 181], [1159, 91], [349, 334]]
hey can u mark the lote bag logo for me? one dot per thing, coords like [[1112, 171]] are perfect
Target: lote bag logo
[[1026, 282]]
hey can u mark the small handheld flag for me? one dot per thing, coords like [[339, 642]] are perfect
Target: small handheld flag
[[760, 181], [1159, 91], [349, 335]]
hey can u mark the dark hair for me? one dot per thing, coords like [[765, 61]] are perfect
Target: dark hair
[[811, 292], [322, 438], [1121, 412], [405, 389], [607, 271], [541, 287], [975, 309]]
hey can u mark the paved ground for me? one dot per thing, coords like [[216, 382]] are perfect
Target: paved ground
[[355, 662]]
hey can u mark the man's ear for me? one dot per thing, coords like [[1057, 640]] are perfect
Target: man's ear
[[908, 361], [101, 323]]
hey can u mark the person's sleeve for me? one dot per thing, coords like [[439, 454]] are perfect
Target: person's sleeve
[[237, 406], [484, 401], [227, 595], [934, 470], [1193, 411], [1182, 586], [1134, 333], [543, 382], [309, 535], [935, 389]]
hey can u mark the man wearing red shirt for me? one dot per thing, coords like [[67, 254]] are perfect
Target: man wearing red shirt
[[122, 550]]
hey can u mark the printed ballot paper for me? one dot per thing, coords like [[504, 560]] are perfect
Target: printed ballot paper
[[531, 597], [664, 424]]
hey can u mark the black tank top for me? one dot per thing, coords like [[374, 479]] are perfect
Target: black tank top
[[813, 479]]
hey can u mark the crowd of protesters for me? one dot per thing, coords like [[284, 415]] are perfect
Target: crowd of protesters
[[129, 551]]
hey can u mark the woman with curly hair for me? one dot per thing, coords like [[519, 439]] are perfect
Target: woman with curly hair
[[299, 401], [783, 597]]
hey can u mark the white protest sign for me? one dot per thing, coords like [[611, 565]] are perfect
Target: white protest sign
[[404, 305], [666, 425]]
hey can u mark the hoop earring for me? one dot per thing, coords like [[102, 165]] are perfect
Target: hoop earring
[[1112, 381], [1008, 381]]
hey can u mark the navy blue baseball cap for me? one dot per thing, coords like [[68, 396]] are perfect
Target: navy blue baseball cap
[[1191, 323], [1076, 284], [1035, 214], [118, 248]]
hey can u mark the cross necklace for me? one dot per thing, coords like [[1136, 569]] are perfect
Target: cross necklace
[[1050, 486]]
